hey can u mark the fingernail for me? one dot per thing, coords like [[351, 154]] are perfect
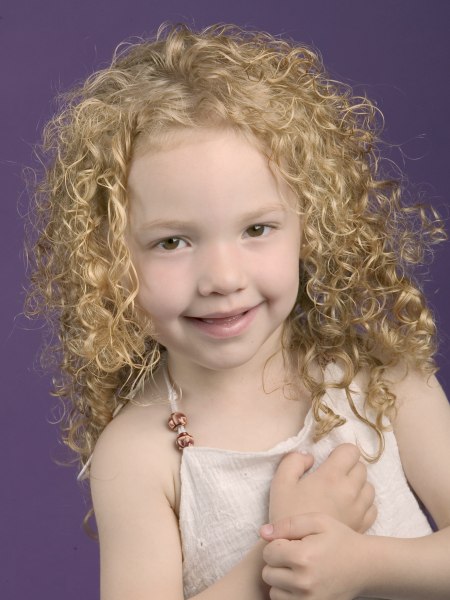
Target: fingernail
[[304, 452], [267, 529]]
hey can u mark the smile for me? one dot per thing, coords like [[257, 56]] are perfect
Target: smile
[[229, 319], [221, 326]]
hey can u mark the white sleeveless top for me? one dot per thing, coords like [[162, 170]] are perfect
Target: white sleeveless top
[[225, 493]]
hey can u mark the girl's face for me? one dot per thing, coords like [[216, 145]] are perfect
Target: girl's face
[[215, 241]]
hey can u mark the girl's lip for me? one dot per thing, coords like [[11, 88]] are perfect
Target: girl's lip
[[224, 315], [225, 326]]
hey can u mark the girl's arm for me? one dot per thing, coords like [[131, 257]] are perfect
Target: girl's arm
[[140, 550], [419, 568], [329, 561]]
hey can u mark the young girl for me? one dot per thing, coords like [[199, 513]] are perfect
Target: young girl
[[219, 251]]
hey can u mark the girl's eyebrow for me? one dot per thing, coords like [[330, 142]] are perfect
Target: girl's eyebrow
[[165, 224], [179, 224], [254, 215]]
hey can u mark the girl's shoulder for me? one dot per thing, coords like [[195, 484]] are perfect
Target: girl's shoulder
[[422, 430], [138, 443]]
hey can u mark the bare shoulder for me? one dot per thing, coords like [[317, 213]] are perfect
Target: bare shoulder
[[422, 430], [416, 392], [133, 481], [411, 387], [138, 442]]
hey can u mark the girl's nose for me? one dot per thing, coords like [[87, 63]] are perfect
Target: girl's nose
[[222, 271]]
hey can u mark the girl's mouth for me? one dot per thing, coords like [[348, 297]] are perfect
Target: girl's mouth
[[224, 327], [224, 320]]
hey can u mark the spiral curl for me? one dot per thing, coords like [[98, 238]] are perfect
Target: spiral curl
[[359, 301]]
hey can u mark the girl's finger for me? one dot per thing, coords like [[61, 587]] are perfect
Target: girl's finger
[[278, 577], [365, 498], [292, 467], [365, 506], [279, 553], [343, 458], [369, 518], [358, 475], [277, 594], [295, 527], [367, 494]]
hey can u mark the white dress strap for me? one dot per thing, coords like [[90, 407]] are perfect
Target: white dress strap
[[171, 392], [177, 419]]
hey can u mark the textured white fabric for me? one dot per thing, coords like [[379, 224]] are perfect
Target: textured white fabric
[[225, 494]]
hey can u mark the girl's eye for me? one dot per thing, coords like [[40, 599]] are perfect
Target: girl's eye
[[171, 243], [257, 230]]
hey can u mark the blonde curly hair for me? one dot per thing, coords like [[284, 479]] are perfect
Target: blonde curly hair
[[358, 300]]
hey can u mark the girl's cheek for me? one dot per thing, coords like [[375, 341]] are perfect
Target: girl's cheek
[[283, 268], [162, 299]]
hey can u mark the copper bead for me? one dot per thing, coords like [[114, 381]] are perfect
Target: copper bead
[[176, 419]]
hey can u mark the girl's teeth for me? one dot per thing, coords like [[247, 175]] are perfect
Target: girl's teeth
[[221, 319]]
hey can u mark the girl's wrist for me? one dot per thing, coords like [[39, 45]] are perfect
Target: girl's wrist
[[383, 566], [369, 564]]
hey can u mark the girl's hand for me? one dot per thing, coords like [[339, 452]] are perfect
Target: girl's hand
[[313, 556], [338, 488]]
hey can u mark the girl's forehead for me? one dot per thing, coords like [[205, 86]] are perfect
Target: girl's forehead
[[205, 159], [204, 167], [173, 137]]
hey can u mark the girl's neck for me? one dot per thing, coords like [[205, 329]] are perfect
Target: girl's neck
[[249, 409], [268, 378]]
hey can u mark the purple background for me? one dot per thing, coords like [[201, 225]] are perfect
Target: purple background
[[395, 50]]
